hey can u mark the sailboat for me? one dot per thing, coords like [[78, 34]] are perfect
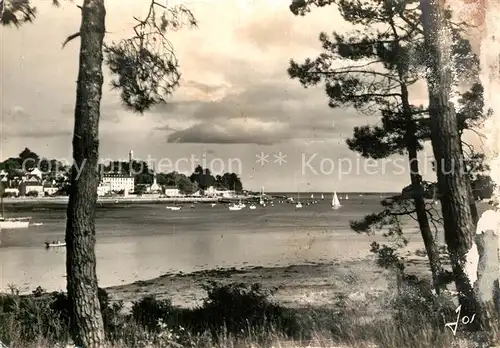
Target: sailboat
[[312, 195], [261, 200], [322, 196], [252, 207], [13, 223], [335, 201], [298, 205], [346, 197]]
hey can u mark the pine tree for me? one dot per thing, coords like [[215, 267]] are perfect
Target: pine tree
[[146, 71]]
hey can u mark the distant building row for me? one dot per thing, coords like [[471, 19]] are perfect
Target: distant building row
[[32, 183], [114, 183]]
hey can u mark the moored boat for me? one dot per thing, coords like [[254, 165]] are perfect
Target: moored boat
[[14, 223], [56, 244], [173, 208], [235, 207]]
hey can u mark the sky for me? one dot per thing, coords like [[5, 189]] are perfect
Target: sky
[[236, 104]]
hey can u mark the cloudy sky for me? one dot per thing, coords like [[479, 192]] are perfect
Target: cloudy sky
[[235, 102]]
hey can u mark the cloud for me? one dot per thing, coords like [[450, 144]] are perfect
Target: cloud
[[265, 113], [233, 132], [165, 128], [36, 134]]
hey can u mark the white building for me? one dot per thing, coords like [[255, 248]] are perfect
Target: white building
[[154, 187], [11, 191], [50, 190], [35, 172], [118, 182], [103, 189], [31, 188], [172, 191], [213, 192], [4, 176]]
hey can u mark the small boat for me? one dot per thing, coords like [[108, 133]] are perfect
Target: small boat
[[298, 205], [312, 195], [322, 196], [335, 201], [173, 208], [55, 244], [213, 204], [12, 223], [252, 207], [192, 206], [346, 197], [235, 207]]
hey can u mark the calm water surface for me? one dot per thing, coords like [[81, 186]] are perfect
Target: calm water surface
[[144, 241]]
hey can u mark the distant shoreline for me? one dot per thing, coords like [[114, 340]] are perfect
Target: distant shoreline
[[149, 200], [65, 199]]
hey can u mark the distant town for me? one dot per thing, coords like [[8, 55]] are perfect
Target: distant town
[[29, 175]]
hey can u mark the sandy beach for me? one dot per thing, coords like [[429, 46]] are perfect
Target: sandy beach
[[314, 284]]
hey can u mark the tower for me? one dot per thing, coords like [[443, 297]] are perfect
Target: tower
[[130, 161], [154, 186]]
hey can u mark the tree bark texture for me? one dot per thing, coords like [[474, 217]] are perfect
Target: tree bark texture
[[86, 319], [452, 182], [431, 247]]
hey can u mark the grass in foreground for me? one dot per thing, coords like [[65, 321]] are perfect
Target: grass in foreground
[[236, 315]]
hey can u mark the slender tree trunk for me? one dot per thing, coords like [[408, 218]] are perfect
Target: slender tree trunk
[[86, 318], [452, 182], [431, 247]]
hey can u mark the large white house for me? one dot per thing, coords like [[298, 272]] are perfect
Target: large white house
[[172, 191], [213, 192], [117, 182]]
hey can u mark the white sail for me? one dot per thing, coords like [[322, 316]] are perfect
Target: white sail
[[298, 205], [335, 201], [322, 196], [312, 195], [346, 196]]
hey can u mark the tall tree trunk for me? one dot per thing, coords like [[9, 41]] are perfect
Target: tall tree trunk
[[431, 247], [86, 319], [430, 244], [452, 182]]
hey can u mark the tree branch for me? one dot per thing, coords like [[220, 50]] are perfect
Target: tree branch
[[70, 38]]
